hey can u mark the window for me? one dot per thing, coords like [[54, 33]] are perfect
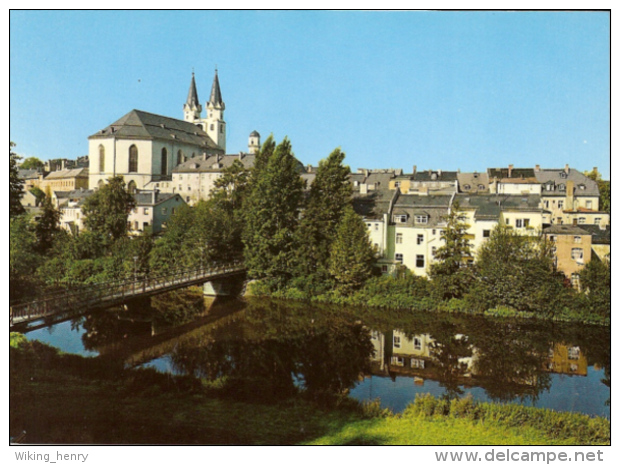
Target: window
[[518, 223], [434, 232], [420, 239], [397, 342], [560, 203], [221, 129], [399, 238], [173, 211], [573, 353], [399, 258], [434, 251], [146, 211], [546, 204], [417, 343], [145, 225], [133, 159], [397, 184], [422, 219], [507, 221], [370, 225], [582, 220], [212, 127], [466, 187], [419, 261], [398, 361], [384, 269], [376, 226], [486, 233], [164, 211], [526, 223], [577, 239], [180, 157], [417, 363], [597, 221], [101, 159], [131, 187], [164, 162], [552, 238], [400, 218], [562, 187], [589, 204], [577, 253]]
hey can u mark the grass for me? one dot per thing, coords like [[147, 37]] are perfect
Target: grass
[[60, 399]]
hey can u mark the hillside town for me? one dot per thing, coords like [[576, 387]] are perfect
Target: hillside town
[[167, 162]]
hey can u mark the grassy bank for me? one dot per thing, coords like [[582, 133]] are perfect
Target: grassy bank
[[60, 398], [416, 294]]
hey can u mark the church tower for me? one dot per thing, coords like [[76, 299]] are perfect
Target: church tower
[[192, 108], [215, 125], [254, 143]]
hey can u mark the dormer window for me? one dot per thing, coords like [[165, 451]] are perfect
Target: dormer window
[[480, 187], [563, 175], [400, 218], [421, 219], [581, 187], [562, 187], [466, 187]]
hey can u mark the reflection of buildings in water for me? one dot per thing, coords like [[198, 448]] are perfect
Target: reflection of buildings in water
[[397, 354], [566, 359]]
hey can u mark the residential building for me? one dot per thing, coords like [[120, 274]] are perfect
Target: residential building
[[69, 204], [31, 178], [572, 249], [473, 183], [426, 182], [570, 197], [601, 240], [152, 210], [65, 180], [513, 181]]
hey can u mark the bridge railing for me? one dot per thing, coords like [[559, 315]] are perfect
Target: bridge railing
[[76, 298]]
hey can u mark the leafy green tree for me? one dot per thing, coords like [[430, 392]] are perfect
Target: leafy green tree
[[38, 193], [604, 188], [16, 185], [517, 271], [352, 256], [261, 159], [23, 259], [47, 225], [272, 217], [595, 279], [106, 211], [171, 249], [32, 163], [451, 273], [330, 195]]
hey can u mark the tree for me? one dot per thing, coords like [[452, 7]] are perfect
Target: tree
[[23, 259], [16, 185], [272, 216], [107, 210], [595, 280], [604, 188], [32, 163], [352, 256], [47, 225], [451, 274], [330, 195], [517, 271]]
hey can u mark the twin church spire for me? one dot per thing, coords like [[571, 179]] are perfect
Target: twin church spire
[[214, 123]]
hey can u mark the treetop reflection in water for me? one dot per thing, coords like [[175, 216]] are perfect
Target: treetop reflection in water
[[265, 349]]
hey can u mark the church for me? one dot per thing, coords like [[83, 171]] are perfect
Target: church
[[145, 148]]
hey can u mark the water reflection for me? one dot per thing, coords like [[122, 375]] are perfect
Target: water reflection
[[262, 349]]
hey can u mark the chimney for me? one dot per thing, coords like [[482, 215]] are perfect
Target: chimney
[[205, 156], [567, 169], [309, 169], [595, 171], [415, 170], [510, 167], [570, 195], [537, 168], [240, 156], [439, 173]]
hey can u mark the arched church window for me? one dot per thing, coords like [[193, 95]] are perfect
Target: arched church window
[[164, 162], [131, 187], [101, 159], [133, 159]]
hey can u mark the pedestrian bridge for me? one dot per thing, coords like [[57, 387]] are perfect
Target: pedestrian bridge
[[75, 301]]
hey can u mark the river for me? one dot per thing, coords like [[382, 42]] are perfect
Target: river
[[262, 348]]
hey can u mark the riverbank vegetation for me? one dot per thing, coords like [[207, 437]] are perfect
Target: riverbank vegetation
[[300, 242], [61, 398]]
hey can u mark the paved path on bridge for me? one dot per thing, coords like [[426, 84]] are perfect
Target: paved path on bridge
[[72, 302]]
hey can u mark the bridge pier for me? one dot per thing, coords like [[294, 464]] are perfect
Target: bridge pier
[[215, 288]]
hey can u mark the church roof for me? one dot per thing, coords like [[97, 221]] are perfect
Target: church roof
[[192, 96], [141, 125], [216, 93]]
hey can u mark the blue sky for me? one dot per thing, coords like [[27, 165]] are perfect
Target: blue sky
[[440, 90]]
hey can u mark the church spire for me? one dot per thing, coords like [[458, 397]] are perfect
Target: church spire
[[192, 107], [215, 124], [216, 93]]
